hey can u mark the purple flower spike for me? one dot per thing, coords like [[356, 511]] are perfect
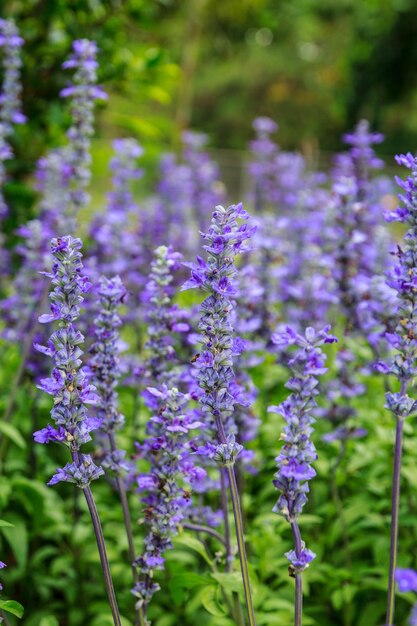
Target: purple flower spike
[[68, 383], [105, 370], [164, 319], [10, 105], [82, 94], [298, 451], [216, 276], [168, 447]]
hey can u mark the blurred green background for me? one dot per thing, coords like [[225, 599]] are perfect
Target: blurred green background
[[316, 66]]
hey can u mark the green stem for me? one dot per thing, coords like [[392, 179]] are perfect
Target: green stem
[[241, 545], [298, 612], [394, 520]]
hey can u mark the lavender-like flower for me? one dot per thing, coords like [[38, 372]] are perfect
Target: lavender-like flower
[[83, 94], [105, 369], [224, 240], [298, 452], [69, 386], [168, 447], [10, 105], [402, 278], [407, 581], [163, 318]]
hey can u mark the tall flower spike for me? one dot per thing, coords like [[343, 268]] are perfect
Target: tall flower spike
[[83, 94], [10, 105], [70, 389], [298, 451], [163, 318], [224, 240], [105, 369], [402, 278], [69, 382], [168, 447]]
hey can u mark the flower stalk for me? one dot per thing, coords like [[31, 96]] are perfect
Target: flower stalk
[[70, 388]]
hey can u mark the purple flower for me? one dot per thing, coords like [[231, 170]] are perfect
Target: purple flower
[[406, 579], [69, 383], [82, 94], [298, 451], [301, 561], [168, 449], [164, 319], [216, 276], [10, 105], [105, 368]]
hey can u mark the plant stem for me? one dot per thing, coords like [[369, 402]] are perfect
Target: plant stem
[[394, 519], [237, 609], [237, 513], [126, 513], [105, 566], [225, 509], [200, 528], [241, 544], [103, 555], [298, 613], [128, 524]]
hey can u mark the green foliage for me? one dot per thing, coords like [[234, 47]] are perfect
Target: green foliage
[[53, 566]]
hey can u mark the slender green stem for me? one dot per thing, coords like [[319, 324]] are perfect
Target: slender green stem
[[225, 510], [108, 581], [237, 513], [241, 545], [200, 528], [101, 545], [298, 612], [394, 520], [126, 513], [128, 524]]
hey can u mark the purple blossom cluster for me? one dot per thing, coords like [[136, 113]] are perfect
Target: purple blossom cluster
[[68, 383], [172, 472], [164, 318], [216, 276], [10, 105], [83, 93], [402, 278], [298, 451], [105, 370]]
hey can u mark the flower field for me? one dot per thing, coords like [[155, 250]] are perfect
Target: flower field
[[207, 403]]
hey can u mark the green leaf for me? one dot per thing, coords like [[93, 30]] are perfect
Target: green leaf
[[13, 607], [231, 581], [13, 434], [17, 538], [193, 544], [49, 620], [209, 601], [4, 524]]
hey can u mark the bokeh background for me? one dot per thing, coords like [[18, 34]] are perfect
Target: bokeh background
[[315, 66]]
